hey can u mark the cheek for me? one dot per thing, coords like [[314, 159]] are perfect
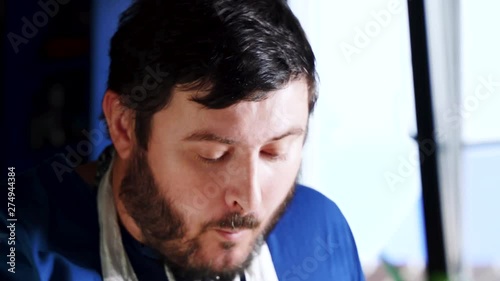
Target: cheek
[[181, 183], [173, 169], [278, 184], [191, 199]]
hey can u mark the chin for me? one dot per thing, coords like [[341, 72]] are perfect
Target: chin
[[226, 255]]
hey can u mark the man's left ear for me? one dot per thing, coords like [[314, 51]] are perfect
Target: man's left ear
[[120, 124]]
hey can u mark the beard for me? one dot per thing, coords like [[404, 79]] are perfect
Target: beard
[[164, 227]]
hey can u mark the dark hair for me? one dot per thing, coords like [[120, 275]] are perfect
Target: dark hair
[[233, 50]]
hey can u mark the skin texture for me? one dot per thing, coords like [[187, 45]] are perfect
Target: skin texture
[[212, 183]]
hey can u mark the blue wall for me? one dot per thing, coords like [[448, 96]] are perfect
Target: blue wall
[[104, 22]]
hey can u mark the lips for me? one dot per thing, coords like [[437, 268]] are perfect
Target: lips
[[231, 234]]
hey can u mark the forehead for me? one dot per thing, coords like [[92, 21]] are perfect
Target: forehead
[[247, 122]]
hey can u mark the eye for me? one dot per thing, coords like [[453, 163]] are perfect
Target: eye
[[273, 156], [210, 160]]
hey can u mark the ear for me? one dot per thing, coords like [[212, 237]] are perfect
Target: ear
[[120, 124]]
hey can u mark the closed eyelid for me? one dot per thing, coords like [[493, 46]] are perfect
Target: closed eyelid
[[276, 146], [210, 146], [211, 150]]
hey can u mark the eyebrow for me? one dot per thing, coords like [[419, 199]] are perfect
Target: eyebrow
[[211, 137]]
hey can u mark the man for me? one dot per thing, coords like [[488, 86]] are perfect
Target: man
[[207, 108]]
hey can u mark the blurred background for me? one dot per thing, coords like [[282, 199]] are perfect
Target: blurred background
[[361, 151]]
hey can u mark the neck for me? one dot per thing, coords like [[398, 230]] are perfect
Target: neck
[[87, 172]]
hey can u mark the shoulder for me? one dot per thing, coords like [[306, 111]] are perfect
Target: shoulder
[[313, 241], [312, 209], [315, 202], [56, 231]]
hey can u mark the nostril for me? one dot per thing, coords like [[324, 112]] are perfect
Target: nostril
[[237, 205]]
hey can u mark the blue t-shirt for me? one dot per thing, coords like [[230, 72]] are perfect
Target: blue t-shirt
[[56, 234]]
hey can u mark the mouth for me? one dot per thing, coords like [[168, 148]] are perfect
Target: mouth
[[231, 234]]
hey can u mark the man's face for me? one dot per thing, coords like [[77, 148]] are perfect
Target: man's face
[[213, 182]]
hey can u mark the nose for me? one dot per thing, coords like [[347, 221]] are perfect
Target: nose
[[243, 193]]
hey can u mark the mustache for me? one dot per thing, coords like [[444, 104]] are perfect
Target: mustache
[[236, 221]]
